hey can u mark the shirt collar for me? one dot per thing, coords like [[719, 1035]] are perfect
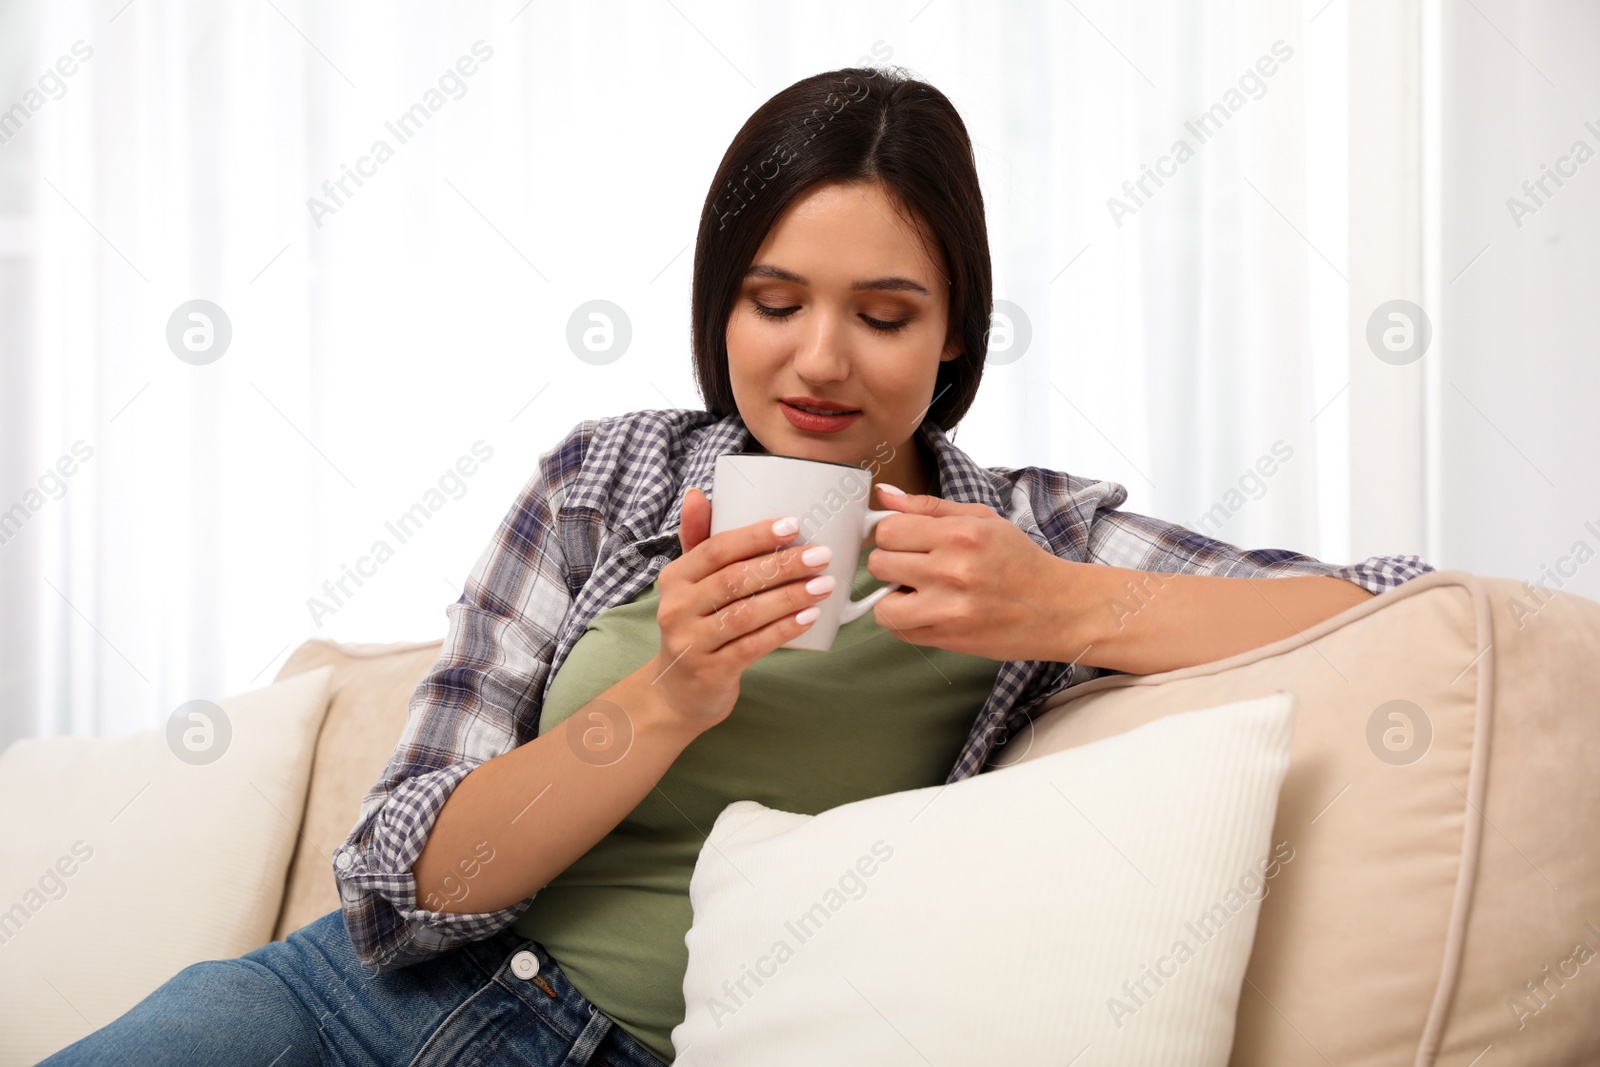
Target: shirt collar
[[960, 478]]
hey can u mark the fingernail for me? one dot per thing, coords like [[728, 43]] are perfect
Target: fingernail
[[786, 525], [822, 583], [892, 490], [816, 555]]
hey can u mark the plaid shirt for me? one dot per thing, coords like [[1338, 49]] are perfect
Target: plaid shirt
[[590, 530]]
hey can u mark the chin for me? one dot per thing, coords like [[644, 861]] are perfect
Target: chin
[[836, 451]]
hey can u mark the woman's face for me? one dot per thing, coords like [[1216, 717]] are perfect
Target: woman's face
[[842, 304]]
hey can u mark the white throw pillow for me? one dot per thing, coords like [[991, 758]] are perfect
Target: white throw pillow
[[125, 859], [1091, 907]]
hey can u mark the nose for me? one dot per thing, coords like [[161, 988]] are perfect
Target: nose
[[821, 351]]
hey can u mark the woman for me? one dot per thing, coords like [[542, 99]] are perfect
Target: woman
[[517, 883]]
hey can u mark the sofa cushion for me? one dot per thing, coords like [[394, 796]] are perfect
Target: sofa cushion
[[1096, 905], [1441, 803], [371, 687], [128, 858]]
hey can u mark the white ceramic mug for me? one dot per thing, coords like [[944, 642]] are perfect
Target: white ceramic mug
[[829, 499]]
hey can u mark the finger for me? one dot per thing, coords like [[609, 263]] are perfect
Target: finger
[[910, 533], [919, 635], [900, 613], [913, 569], [923, 533], [936, 506], [695, 525], [749, 614], [757, 643], [746, 578], [718, 550]]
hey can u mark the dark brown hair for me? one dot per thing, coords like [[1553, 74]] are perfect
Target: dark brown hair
[[854, 125]]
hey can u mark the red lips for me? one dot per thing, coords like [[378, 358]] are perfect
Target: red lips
[[820, 405]]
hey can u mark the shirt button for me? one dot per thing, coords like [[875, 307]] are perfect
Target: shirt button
[[524, 964], [342, 861]]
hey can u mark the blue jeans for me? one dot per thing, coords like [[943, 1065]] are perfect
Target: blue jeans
[[307, 1001]]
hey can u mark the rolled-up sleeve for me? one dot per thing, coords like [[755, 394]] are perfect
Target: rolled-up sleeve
[[1082, 520], [1123, 539], [480, 699]]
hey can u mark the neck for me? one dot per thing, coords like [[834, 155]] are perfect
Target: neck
[[914, 469]]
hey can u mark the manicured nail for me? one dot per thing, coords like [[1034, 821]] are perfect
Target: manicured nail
[[816, 555], [892, 490], [808, 616], [786, 525], [822, 583]]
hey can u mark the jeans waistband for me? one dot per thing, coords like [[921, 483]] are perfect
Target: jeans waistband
[[547, 990]]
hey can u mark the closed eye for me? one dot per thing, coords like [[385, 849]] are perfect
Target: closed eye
[[782, 313], [773, 313]]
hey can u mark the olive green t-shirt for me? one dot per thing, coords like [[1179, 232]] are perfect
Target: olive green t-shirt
[[810, 731]]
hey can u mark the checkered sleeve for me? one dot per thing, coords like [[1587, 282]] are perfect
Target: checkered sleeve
[[1124, 539], [481, 698]]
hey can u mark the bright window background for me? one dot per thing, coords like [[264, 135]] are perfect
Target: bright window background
[[373, 348]]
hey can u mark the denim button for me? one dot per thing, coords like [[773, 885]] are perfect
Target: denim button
[[524, 964]]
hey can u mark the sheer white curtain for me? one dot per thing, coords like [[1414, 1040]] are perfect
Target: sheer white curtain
[[398, 348]]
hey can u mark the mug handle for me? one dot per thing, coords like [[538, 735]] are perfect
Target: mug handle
[[854, 609]]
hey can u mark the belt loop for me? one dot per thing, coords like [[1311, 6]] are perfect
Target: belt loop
[[595, 1032]]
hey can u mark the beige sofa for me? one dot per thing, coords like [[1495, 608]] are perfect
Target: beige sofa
[[1443, 903]]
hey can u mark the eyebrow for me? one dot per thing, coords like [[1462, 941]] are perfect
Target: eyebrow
[[894, 284]]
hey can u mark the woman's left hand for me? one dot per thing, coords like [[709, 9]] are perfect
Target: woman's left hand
[[977, 584]]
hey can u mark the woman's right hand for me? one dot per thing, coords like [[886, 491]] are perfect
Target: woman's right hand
[[728, 600]]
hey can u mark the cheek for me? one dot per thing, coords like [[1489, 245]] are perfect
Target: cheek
[[749, 357], [743, 330], [752, 349], [739, 336]]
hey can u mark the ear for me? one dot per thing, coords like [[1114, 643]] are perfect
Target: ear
[[951, 348]]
